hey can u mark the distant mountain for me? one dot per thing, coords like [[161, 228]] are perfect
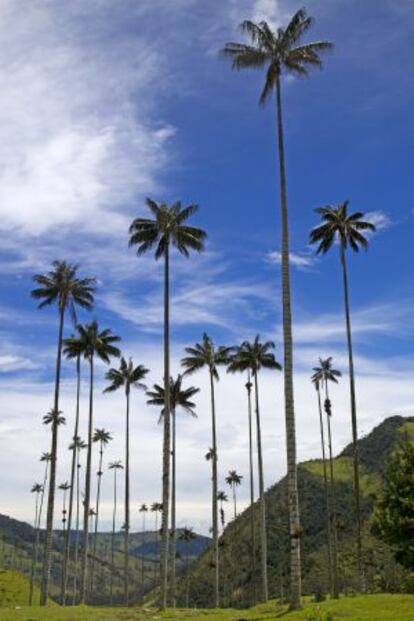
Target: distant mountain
[[240, 586]]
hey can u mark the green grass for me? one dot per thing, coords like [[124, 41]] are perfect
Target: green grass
[[367, 608], [343, 473]]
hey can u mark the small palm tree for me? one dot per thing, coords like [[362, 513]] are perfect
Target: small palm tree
[[325, 373], [144, 510], [78, 444], [102, 437], [347, 229], [282, 52], [64, 487], [222, 497], [179, 398], [206, 355], [233, 480], [92, 343], [37, 489], [187, 535], [46, 459], [126, 376], [156, 508], [253, 357], [115, 466], [62, 287], [166, 229]]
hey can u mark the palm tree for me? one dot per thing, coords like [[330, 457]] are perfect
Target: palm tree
[[64, 487], [201, 355], [347, 229], [316, 381], [187, 535], [37, 489], [156, 508], [46, 458], [282, 52], [59, 286], [222, 497], [93, 343], [233, 480], [253, 357], [126, 376], [103, 437], [179, 397], [78, 444], [72, 349], [165, 229], [115, 466], [325, 373], [144, 510]]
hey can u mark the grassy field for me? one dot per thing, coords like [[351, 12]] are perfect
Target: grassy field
[[367, 608]]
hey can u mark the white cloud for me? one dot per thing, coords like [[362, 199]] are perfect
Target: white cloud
[[379, 219], [301, 260]]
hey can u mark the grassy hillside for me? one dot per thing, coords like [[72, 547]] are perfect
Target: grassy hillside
[[239, 587], [369, 608]]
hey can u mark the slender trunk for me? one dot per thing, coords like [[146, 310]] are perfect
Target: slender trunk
[[75, 560], [173, 510], [36, 550], [252, 525], [35, 544], [113, 541], [293, 499], [234, 501], [142, 561], [52, 479], [353, 415], [71, 492], [325, 481], [333, 506], [98, 498], [166, 447], [126, 532], [263, 534], [87, 489], [214, 487]]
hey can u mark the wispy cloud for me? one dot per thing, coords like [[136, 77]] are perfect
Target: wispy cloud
[[301, 260]]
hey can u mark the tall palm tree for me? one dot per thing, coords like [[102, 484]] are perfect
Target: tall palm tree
[[233, 480], [317, 382], [156, 508], [347, 229], [37, 489], [325, 373], [62, 287], [93, 343], [46, 459], [115, 466], [167, 228], [187, 535], [64, 487], [126, 376], [72, 349], [102, 437], [78, 444], [179, 398], [253, 357], [222, 497], [201, 355], [282, 52], [144, 510]]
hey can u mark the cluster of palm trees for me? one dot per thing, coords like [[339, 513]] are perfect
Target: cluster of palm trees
[[280, 52]]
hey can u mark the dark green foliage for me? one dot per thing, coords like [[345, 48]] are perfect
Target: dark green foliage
[[338, 224]]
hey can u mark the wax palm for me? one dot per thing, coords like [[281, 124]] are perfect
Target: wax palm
[[233, 480], [167, 228], [156, 508], [78, 445], [179, 398], [222, 497], [114, 466], [348, 230], [45, 458], [323, 374], [282, 52], [126, 376], [37, 489], [64, 487], [101, 437], [92, 343], [187, 535], [143, 510], [206, 355], [62, 287], [253, 357]]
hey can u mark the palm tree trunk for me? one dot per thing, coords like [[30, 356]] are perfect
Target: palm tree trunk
[[36, 550], [328, 509], [87, 489], [113, 541], [52, 479], [293, 499], [126, 532], [252, 525], [234, 501], [214, 504], [353, 414], [98, 497], [167, 440], [71, 492], [35, 544], [75, 560], [263, 534], [333, 506], [173, 509]]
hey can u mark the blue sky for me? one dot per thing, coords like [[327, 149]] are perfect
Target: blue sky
[[102, 105]]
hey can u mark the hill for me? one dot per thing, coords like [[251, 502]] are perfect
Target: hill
[[240, 586]]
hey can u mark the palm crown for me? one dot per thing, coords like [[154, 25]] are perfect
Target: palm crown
[[143, 508], [233, 478], [37, 488], [62, 286], [325, 372], [156, 506], [205, 354], [116, 465], [253, 356], [92, 342], [276, 51], [179, 397], [101, 435], [54, 417], [77, 443], [339, 225], [222, 496], [166, 228], [187, 534], [127, 375], [46, 457]]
